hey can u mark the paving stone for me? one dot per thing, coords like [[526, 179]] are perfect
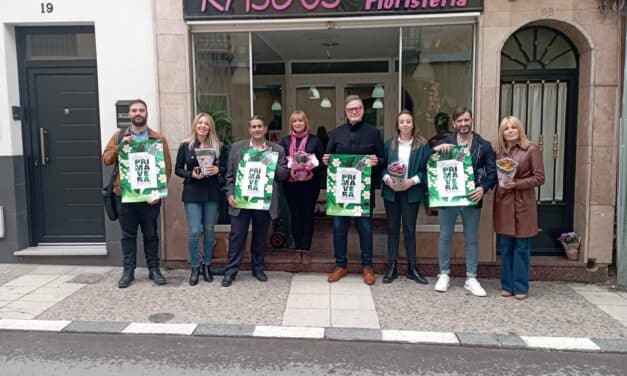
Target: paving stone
[[619, 312], [31, 280], [87, 278], [95, 327], [612, 345], [350, 289], [309, 287], [352, 302], [308, 301], [354, 318], [224, 330], [25, 307], [603, 298], [478, 339], [353, 334], [307, 317]]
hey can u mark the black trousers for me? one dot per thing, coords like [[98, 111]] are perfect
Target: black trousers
[[144, 216], [397, 211], [239, 235], [301, 198]]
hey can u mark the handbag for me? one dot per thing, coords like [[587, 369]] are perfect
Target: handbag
[[109, 198]]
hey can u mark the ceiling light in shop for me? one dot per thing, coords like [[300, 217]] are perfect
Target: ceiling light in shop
[[325, 103], [314, 93], [276, 106], [378, 104], [378, 92]]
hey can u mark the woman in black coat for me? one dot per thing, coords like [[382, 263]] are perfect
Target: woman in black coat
[[301, 190], [201, 191]]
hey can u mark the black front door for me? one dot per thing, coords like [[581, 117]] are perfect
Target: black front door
[[65, 162]]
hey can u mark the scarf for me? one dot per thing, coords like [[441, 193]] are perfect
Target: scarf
[[304, 136]]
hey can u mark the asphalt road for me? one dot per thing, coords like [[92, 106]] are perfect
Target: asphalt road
[[31, 353]]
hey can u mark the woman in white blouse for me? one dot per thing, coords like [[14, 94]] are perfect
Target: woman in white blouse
[[402, 194]]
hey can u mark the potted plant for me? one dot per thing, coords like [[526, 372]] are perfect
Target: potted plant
[[570, 241]]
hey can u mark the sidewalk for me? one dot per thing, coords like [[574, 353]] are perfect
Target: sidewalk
[[78, 298]]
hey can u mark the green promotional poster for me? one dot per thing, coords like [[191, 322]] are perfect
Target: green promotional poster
[[143, 176], [255, 176], [451, 178], [348, 185]]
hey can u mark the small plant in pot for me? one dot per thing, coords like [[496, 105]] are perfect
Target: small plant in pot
[[570, 241]]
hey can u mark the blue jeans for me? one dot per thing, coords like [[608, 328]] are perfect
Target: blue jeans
[[515, 260], [201, 215], [340, 239], [470, 220]]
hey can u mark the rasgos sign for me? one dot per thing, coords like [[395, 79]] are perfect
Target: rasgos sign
[[240, 9]]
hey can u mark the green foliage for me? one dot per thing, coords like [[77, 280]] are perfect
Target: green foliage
[[222, 120]]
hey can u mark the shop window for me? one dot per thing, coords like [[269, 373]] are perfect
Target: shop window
[[222, 74], [437, 66]]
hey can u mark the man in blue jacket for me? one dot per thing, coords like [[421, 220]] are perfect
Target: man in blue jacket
[[484, 166]]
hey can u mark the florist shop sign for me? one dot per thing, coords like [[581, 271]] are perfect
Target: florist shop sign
[[194, 10]]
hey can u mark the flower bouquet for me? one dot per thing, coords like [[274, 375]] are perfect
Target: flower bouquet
[[301, 164], [570, 241], [505, 170], [397, 172]]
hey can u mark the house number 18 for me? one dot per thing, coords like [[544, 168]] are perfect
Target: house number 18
[[47, 8]]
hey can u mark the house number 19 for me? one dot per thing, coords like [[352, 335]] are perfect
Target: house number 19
[[47, 8]]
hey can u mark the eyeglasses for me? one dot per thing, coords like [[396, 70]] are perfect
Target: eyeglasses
[[354, 109]]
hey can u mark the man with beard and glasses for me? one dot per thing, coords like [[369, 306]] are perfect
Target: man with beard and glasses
[[138, 214], [484, 166]]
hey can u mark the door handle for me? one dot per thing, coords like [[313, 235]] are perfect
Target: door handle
[[42, 145]]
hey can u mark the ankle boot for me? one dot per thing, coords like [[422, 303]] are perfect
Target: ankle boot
[[193, 279], [155, 275], [206, 273], [413, 274], [128, 276], [390, 273]]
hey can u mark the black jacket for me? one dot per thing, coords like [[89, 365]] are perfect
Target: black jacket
[[207, 189], [314, 146], [360, 138], [483, 161]]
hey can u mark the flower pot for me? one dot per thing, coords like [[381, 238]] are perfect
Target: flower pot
[[572, 251]]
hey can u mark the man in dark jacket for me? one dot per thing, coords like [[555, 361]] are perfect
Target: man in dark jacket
[[355, 137], [484, 166]]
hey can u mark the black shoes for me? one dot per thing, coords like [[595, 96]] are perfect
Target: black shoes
[[193, 279], [228, 280], [156, 276], [261, 276], [390, 273], [414, 274], [128, 276], [206, 273]]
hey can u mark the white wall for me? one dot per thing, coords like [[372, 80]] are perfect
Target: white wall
[[125, 49]]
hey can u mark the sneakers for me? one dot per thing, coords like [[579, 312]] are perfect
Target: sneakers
[[474, 287], [443, 283]]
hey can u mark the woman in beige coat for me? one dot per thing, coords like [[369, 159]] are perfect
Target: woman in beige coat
[[515, 209]]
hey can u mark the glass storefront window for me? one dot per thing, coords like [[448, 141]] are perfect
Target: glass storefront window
[[222, 77], [437, 76]]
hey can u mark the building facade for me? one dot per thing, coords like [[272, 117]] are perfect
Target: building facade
[[556, 65]]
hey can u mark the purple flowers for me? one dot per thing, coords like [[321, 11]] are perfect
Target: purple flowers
[[301, 163], [569, 238]]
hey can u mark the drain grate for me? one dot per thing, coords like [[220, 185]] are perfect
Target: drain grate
[[161, 317]]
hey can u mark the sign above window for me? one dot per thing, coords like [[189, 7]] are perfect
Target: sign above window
[[194, 10]]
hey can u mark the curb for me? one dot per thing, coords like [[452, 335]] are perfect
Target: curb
[[462, 339]]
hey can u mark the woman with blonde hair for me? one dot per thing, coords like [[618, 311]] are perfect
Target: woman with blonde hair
[[302, 192], [201, 190], [402, 196], [515, 209]]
